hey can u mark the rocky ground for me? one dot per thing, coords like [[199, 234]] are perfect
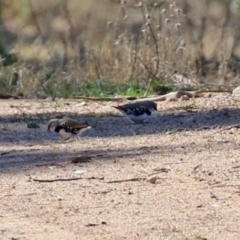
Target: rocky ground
[[175, 177]]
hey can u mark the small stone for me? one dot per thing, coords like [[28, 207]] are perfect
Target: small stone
[[184, 98], [152, 179], [81, 104]]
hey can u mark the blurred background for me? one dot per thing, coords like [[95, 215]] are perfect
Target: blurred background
[[117, 47]]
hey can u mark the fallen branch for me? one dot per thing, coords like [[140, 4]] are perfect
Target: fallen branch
[[5, 153], [197, 167], [231, 185], [56, 180], [91, 225], [128, 180], [7, 96], [18, 106], [95, 224], [64, 179], [49, 165], [114, 99], [171, 95]]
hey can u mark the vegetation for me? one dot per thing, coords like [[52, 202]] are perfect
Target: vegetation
[[109, 48]]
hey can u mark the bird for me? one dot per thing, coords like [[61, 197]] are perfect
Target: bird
[[67, 127], [137, 112]]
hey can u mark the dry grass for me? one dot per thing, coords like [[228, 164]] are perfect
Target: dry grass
[[65, 48]]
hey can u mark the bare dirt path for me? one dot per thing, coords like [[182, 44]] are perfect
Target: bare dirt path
[[189, 147]]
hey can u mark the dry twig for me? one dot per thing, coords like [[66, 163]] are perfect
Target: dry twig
[[128, 180], [65, 179], [114, 99]]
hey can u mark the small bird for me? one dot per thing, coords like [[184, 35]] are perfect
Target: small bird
[[67, 127], [138, 112]]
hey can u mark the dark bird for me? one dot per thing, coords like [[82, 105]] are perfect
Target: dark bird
[[67, 127], [137, 112]]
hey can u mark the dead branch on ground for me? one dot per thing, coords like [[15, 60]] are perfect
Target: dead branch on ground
[[65, 179], [128, 180]]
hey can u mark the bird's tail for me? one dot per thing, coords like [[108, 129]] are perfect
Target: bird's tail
[[119, 108]]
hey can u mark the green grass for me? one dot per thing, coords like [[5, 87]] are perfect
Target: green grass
[[49, 82], [105, 89], [8, 79]]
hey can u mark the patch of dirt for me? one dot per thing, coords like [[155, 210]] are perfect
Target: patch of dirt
[[175, 177]]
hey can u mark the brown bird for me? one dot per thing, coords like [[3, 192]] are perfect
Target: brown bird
[[139, 111], [67, 127]]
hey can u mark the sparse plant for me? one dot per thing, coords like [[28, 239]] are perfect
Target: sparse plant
[[133, 56]]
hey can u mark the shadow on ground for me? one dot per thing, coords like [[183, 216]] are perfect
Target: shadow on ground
[[15, 130], [34, 156]]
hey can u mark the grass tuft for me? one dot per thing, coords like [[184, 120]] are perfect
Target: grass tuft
[[67, 49]]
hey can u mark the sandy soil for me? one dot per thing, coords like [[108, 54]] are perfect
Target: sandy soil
[[189, 146]]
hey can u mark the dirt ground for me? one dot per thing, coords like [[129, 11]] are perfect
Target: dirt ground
[[188, 147]]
